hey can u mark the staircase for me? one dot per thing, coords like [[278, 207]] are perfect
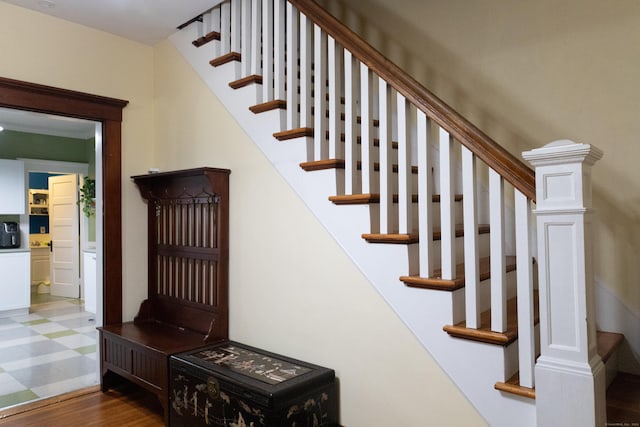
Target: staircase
[[438, 216]]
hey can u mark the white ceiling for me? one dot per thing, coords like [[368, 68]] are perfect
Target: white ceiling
[[144, 21], [46, 124]]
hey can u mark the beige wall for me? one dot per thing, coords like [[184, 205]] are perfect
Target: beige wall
[[292, 288], [531, 72], [49, 51]]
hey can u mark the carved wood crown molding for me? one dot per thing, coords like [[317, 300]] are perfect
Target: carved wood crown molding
[[85, 106]]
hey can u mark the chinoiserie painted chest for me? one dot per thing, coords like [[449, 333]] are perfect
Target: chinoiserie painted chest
[[234, 385]]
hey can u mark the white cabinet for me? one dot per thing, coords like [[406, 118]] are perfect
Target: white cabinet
[[40, 265], [90, 278], [12, 189], [15, 284]]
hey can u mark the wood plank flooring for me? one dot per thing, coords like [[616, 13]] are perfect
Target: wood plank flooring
[[623, 401], [127, 405]]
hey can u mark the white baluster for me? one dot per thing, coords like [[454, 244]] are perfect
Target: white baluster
[[386, 166], [225, 28], [200, 27], [321, 151], [306, 55], [235, 26], [267, 50], [447, 225], [405, 204], [366, 127], [471, 256], [293, 97], [350, 122], [207, 24], [245, 42], [335, 107], [216, 25], [425, 196], [256, 37], [279, 22], [236, 30], [498, 273], [524, 271]]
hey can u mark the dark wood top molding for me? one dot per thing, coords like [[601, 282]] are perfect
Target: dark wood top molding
[[85, 106], [499, 159]]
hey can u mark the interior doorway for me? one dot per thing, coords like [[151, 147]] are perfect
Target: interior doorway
[[107, 112], [62, 234]]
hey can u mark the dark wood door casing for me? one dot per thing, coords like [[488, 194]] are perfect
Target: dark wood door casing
[[108, 111]]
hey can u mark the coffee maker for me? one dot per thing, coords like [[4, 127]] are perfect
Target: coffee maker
[[9, 235]]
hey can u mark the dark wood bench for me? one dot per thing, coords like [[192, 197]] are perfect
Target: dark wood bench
[[187, 303]]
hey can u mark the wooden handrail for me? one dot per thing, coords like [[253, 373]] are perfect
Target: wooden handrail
[[495, 156]]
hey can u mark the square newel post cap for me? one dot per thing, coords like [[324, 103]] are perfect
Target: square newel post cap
[[563, 151], [563, 174]]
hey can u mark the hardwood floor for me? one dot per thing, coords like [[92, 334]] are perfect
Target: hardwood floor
[[623, 401], [128, 405]]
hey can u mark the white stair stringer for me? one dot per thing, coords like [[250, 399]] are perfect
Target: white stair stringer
[[473, 366]]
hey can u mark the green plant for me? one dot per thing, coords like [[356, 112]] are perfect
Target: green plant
[[87, 197]]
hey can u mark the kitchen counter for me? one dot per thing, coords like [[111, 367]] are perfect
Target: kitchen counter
[[15, 285], [14, 250]]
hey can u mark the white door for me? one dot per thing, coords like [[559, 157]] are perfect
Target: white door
[[64, 228]]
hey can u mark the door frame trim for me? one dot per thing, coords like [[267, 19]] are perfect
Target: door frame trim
[[108, 111]]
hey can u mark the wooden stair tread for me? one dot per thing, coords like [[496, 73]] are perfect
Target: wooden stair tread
[[276, 104], [607, 342], [485, 334], [246, 81], [413, 238], [374, 122], [337, 163], [322, 165], [213, 35], [437, 283], [225, 59], [394, 167], [293, 133], [360, 199], [512, 385]]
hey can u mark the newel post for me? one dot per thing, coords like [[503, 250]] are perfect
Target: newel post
[[569, 375]]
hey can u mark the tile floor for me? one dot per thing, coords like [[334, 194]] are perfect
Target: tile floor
[[50, 351]]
